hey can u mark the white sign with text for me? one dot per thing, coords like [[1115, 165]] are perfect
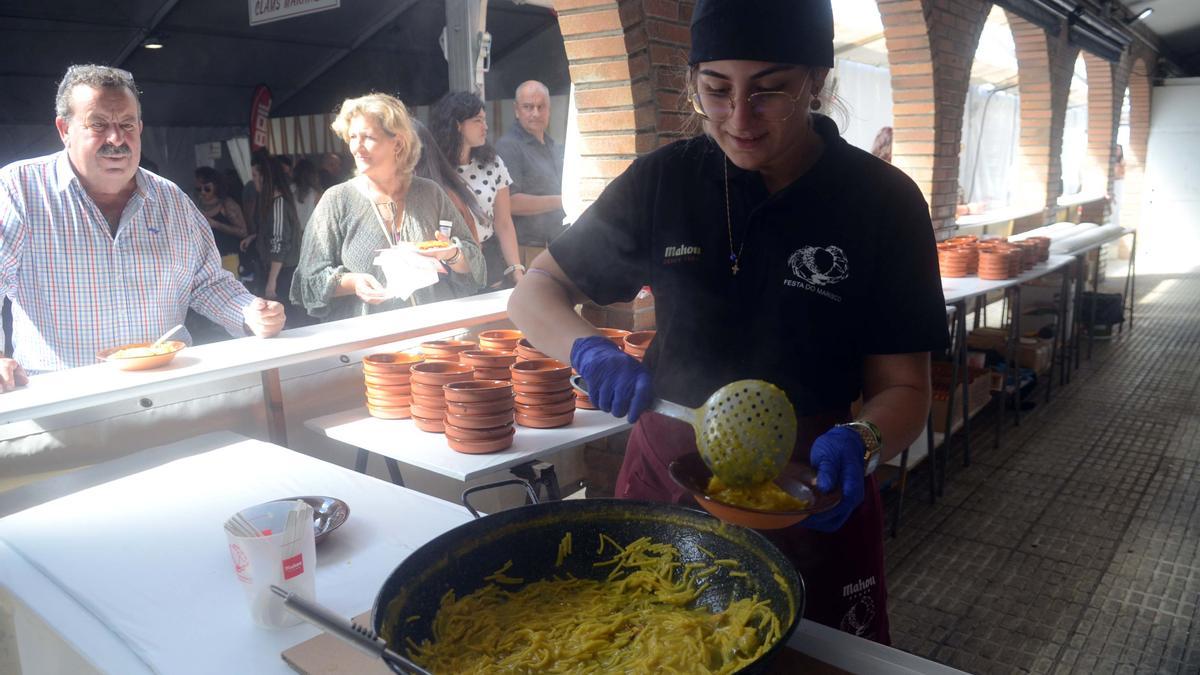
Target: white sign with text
[[266, 11]]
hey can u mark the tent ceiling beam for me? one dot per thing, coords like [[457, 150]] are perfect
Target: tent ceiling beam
[[140, 35], [384, 21]]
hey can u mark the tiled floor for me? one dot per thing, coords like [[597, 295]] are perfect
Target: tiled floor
[[1075, 546]]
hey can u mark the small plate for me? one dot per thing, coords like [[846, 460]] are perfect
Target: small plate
[[328, 513], [691, 473], [169, 349]]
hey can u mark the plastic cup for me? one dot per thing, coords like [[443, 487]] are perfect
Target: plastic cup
[[274, 557], [445, 227]]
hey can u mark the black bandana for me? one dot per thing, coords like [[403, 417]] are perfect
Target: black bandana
[[778, 31]]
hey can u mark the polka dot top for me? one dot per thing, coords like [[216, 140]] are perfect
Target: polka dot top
[[485, 180]]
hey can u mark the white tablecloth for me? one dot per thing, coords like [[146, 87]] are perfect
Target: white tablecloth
[[147, 558]]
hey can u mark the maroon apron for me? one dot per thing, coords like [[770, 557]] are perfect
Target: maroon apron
[[843, 571]]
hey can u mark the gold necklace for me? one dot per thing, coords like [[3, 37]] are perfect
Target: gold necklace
[[733, 257]]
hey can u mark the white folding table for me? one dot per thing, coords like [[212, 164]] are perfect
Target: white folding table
[[401, 442]]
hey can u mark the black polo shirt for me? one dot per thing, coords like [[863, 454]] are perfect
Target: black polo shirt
[[838, 265], [536, 169]]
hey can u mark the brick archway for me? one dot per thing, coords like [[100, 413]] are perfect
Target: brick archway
[[1103, 117]]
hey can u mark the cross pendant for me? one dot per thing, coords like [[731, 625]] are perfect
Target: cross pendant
[[735, 269]]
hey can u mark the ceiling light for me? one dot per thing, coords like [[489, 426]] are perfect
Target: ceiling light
[[152, 43], [1144, 14]]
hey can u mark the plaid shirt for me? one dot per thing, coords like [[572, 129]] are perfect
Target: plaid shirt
[[76, 289]]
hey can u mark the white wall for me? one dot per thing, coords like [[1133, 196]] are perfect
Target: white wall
[[1169, 232]]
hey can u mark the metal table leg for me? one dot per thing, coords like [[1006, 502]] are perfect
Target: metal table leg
[[961, 356], [541, 475], [1130, 283], [273, 400], [1076, 318], [1091, 326], [393, 468], [1013, 367], [360, 461]]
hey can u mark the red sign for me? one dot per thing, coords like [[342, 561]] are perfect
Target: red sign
[[293, 566], [260, 117]]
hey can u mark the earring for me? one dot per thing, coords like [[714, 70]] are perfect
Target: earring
[[815, 104]]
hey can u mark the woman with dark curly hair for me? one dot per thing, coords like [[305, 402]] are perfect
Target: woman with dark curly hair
[[459, 125]]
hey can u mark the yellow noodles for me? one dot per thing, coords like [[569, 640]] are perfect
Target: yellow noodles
[[141, 352], [638, 620], [764, 496], [564, 549]]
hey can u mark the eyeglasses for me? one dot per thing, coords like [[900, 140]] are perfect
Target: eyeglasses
[[772, 106]]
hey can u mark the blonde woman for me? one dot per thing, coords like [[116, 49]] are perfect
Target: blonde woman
[[384, 204]]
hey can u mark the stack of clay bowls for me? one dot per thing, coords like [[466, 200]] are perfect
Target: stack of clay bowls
[[1030, 253], [636, 343], [527, 352], [994, 263], [389, 394], [543, 393], [970, 245], [446, 350], [1043, 247], [428, 397], [953, 261], [616, 335], [500, 340], [479, 415], [489, 364]]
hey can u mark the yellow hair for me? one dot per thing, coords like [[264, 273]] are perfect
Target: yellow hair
[[392, 115]]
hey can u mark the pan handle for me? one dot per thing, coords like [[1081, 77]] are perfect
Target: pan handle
[[488, 486]]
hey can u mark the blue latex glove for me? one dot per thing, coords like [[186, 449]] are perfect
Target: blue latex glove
[[837, 455], [616, 382]]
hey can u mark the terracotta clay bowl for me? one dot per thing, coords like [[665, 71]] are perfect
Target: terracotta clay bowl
[[493, 373], [163, 354], [545, 422], [638, 341], [394, 363], [690, 473], [546, 410], [429, 402], [557, 387], [480, 447], [433, 426], [446, 350], [482, 408], [385, 398], [474, 391], [427, 390], [543, 398], [399, 413], [468, 434], [487, 358], [527, 352], [480, 421], [617, 335], [437, 373], [540, 370], [503, 340], [390, 388], [583, 402], [387, 379], [428, 413]]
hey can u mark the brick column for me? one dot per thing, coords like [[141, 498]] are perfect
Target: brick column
[[913, 102], [954, 27], [1104, 110], [1044, 65], [1140, 84]]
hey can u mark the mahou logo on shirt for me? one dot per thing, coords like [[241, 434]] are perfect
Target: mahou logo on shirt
[[681, 253], [818, 267]]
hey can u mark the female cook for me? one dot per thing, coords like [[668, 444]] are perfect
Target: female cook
[[776, 251]]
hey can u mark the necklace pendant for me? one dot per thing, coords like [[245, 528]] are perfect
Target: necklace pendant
[[735, 269]]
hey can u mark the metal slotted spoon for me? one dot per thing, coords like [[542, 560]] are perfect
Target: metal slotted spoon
[[745, 431]]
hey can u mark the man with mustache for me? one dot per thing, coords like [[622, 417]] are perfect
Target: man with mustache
[[95, 252]]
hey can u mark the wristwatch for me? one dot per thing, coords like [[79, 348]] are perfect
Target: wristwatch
[[872, 439]]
